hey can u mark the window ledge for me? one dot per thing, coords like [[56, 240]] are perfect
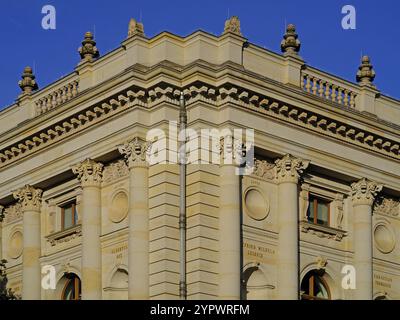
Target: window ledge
[[322, 231], [65, 235]]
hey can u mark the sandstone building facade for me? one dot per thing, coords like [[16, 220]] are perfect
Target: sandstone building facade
[[78, 193]]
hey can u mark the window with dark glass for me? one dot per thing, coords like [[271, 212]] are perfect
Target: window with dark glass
[[72, 288], [318, 211], [314, 287], [68, 216]]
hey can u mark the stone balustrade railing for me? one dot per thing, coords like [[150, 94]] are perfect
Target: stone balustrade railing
[[57, 97], [329, 88]]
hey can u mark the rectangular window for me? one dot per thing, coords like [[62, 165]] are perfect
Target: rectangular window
[[318, 211], [68, 216]]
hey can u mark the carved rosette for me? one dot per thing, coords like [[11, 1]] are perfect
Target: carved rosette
[[115, 171], [135, 152], [89, 173], [29, 198], [364, 192], [233, 25], [289, 169], [231, 150]]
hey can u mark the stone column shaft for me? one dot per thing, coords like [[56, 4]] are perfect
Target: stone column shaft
[[138, 243], [287, 171], [363, 196], [30, 199], [90, 174]]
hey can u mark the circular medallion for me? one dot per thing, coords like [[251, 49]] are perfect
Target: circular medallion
[[118, 209], [384, 238], [15, 245], [256, 204]]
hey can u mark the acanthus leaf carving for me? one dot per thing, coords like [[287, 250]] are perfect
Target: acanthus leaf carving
[[264, 169], [364, 191], [135, 152], [89, 172], [387, 206], [115, 171], [29, 197], [289, 168]]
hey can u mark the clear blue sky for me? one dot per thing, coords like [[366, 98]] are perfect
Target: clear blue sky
[[325, 44]]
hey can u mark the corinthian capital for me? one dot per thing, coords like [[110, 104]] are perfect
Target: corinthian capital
[[231, 150], [365, 191], [289, 168], [135, 152], [89, 172], [29, 198]]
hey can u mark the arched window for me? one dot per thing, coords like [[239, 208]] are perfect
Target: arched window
[[314, 287], [255, 285], [72, 288]]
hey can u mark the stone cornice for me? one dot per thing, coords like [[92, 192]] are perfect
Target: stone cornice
[[229, 93]]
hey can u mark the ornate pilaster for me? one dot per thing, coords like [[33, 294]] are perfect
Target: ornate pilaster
[[229, 219], [89, 172], [30, 200], [364, 192], [135, 152], [289, 169], [29, 197]]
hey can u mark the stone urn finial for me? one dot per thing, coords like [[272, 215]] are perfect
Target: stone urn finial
[[366, 73], [28, 83], [290, 44], [135, 28], [88, 51], [233, 25]]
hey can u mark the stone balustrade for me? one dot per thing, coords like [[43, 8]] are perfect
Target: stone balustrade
[[337, 91], [57, 97]]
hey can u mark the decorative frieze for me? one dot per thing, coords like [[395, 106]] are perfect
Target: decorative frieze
[[115, 171], [135, 152], [13, 213], [89, 172], [289, 168], [364, 192], [29, 197], [264, 169], [387, 206]]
